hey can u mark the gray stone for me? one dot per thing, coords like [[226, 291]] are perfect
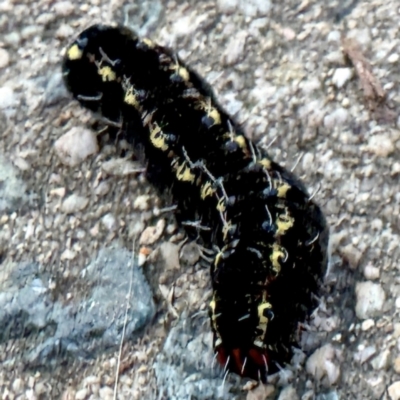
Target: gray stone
[[80, 328]]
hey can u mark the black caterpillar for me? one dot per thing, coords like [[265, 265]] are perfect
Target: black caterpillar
[[269, 238]]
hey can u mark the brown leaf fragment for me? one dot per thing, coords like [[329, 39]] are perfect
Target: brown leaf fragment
[[373, 90], [370, 84]]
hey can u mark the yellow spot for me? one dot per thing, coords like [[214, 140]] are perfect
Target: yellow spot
[[183, 73], [211, 111], [157, 138], [226, 229], [284, 222], [131, 98], [212, 307], [218, 258], [241, 141], [148, 42], [74, 52], [265, 163], [107, 74], [282, 190], [183, 173], [214, 114], [261, 312], [207, 190], [278, 253], [221, 207]]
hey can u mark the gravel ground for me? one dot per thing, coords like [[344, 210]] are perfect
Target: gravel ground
[[318, 82]]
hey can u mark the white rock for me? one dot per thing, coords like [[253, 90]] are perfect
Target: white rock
[[322, 364], [76, 145], [341, 76], [64, 8], [227, 6], [381, 361], [394, 391], [141, 203], [370, 272], [333, 36], [81, 394], [7, 98], [121, 167], [336, 118], [381, 145], [4, 58], [234, 51], [102, 189], [68, 254], [370, 299], [393, 58], [367, 324], [152, 233], [288, 393], [106, 393], [109, 222], [364, 354], [74, 203], [250, 8]]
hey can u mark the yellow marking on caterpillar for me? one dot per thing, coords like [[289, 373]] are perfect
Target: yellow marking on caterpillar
[[207, 190], [284, 222], [221, 206], [211, 112], [74, 53], [157, 137], [226, 229], [263, 322], [181, 71], [265, 163], [183, 173], [278, 253], [282, 190], [107, 74], [149, 43], [261, 309], [131, 98], [241, 141]]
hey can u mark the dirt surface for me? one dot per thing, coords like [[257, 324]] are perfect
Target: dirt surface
[[316, 81]]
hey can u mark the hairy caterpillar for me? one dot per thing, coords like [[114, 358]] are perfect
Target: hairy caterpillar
[[269, 239]]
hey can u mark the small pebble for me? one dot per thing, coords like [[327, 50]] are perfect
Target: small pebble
[[76, 145], [234, 51], [367, 324], [370, 299], [4, 58], [370, 272], [396, 365], [341, 76], [288, 393], [394, 391], [393, 58], [7, 98], [381, 361], [74, 203], [152, 233], [141, 203], [322, 363], [336, 118], [109, 222], [64, 8], [120, 167], [381, 145]]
